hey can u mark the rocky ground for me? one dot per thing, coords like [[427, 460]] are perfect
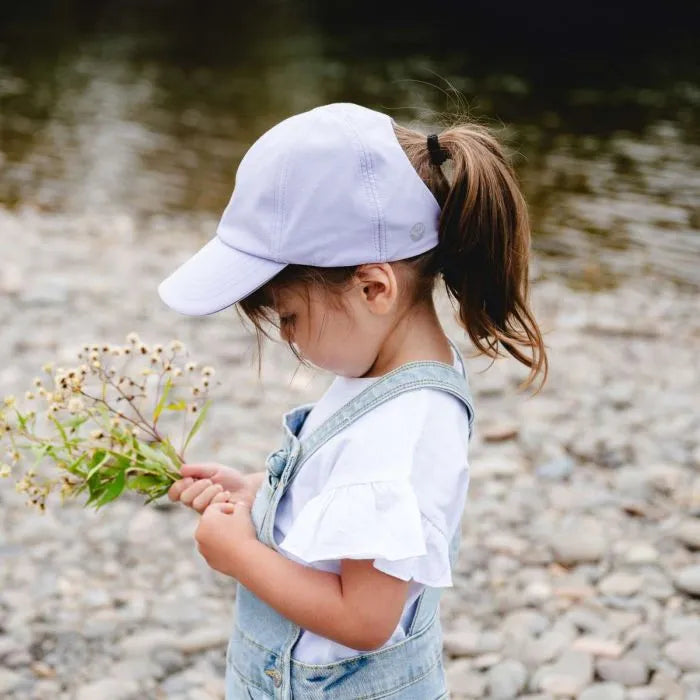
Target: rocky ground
[[579, 573]]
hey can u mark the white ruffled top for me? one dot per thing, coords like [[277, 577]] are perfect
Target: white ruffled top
[[389, 487]]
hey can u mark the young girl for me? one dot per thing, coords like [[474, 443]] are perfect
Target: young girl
[[340, 223]]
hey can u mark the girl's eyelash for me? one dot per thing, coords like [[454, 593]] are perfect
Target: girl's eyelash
[[287, 319]]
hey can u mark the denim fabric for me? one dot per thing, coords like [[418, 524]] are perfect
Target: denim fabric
[[259, 664]]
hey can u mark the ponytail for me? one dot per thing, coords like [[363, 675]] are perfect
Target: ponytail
[[484, 240]]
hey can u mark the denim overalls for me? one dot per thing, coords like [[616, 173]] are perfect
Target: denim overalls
[[259, 665]]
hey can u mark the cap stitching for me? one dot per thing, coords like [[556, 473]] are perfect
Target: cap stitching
[[281, 201], [376, 219], [381, 223]]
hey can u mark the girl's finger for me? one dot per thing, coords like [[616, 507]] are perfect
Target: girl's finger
[[177, 487], [198, 471], [200, 502], [221, 497], [191, 492]]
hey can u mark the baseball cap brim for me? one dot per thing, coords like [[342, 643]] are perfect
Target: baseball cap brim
[[215, 277]]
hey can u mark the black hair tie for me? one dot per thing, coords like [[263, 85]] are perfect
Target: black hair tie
[[438, 155]]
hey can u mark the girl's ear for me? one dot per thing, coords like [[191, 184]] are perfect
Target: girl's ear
[[378, 286]]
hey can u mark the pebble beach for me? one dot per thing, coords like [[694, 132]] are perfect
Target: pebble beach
[[579, 571]]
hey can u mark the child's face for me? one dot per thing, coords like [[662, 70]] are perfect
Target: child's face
[[344, 342]]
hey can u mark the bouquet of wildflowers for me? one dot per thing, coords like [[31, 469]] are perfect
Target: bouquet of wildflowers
[[100, 424]]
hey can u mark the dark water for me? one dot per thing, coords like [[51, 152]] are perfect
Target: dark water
[[146, 108]]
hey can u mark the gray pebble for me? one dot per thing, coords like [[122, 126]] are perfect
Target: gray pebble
[[109, 689], [463, 680], [688, 532], [684, 653], [688, 580], [628, 670], [603, 691], [506, 679]]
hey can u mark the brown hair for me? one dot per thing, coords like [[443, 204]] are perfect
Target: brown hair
[[482, 255]]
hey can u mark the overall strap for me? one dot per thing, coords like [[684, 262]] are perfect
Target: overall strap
[[407, 377]]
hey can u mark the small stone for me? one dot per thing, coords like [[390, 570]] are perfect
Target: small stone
[[43, 670], [506, 679], [691, 681], [578, 542], [620, 583], [108, 689], [506, 543], [9, 680], [144, 526], [683, 626], [628, 670], [571, 673], [688, 532], [462, 680], [688, 580], [598, 647], [497, 467], [144, 643], [461, 642], [556, 469], [550, 644], [641, 553], [498, 432], [646, 692], [603, 691], [485, 661], [666, 683], [202, 639], [684, 653]]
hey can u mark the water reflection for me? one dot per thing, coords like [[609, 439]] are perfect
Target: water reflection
[[139, 118]]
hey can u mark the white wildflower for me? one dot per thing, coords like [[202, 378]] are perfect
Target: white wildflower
[[75, 404]]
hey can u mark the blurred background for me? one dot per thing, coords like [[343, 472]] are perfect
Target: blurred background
[[121, 127], [152, 104]]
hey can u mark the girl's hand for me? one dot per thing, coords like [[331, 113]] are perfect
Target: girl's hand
[[223, 533], [210, 482]]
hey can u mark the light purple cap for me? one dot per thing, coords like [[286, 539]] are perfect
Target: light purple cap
[[327, 187]]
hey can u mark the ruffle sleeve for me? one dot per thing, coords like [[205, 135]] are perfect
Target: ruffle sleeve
[[378, 520]]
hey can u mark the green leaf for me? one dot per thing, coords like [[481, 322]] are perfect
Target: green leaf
[[155, 455], [170, 451], [73, 468], [163, 399], [143, 482], [197, 424], [60, 429], [97, 461], [22, 421], [113, 489], [177, 406]]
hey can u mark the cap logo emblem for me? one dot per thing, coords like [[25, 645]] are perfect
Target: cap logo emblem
[[417, 231]]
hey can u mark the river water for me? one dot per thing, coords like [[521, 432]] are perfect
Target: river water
[[142, 115]]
